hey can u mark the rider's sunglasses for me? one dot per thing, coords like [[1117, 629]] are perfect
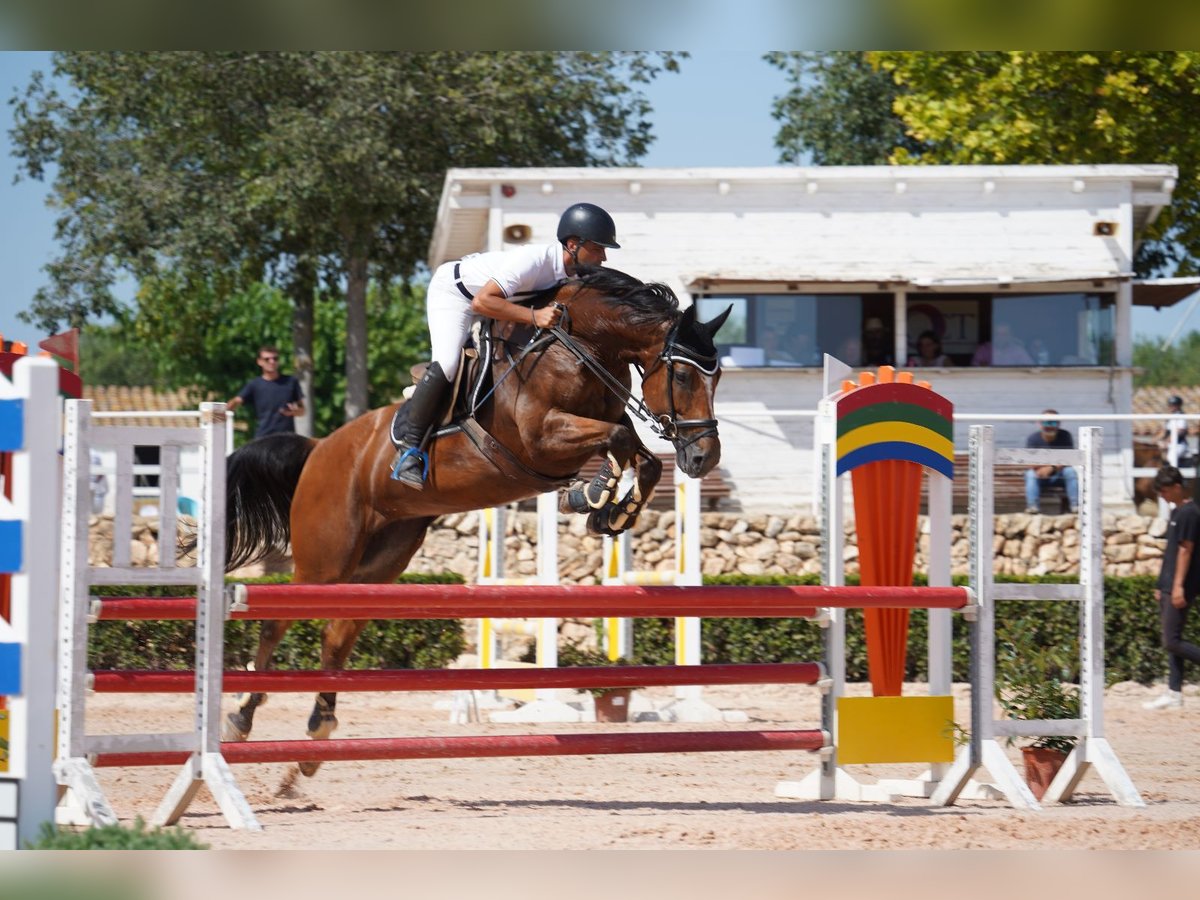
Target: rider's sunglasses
[[1050, 424], [269, 358]]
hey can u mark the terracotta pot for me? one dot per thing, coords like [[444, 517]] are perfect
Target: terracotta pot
[[1041, 765], [613, 706]]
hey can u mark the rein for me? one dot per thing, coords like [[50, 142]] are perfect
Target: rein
[[665, 425]]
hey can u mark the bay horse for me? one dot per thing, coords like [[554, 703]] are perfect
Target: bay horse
[[557, 400]]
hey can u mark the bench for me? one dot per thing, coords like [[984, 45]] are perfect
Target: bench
[[713, 486], [1008, 490]]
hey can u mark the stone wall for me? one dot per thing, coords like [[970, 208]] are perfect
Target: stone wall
[[731, 543]]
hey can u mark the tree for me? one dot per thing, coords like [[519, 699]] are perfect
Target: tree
[[838, 110], [313, 171], [209, 344], [1065, 108]]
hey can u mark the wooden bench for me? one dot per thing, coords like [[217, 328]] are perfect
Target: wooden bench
[[1008, 489], [713, 486]]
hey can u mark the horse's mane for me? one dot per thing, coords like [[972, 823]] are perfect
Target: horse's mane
[[647, 304]]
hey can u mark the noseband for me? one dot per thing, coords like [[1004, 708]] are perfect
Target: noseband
[[669, 424]]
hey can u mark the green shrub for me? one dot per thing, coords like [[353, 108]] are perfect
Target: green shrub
[[117, 837], [166, 646], [1133, 651]]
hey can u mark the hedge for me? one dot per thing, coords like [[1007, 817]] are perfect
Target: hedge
[[1132, 647], [1133, 651], [398, 644]]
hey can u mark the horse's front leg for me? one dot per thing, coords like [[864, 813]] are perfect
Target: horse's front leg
[[622, 514], [598, 498]]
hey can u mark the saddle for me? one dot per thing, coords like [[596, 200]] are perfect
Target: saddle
[[489, 341]]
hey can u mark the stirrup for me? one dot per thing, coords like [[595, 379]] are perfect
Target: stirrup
[[398, 472]]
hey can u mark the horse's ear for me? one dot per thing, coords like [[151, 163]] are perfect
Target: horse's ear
[[713, 326], [688, 318]]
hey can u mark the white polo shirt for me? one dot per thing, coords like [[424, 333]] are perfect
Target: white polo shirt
[[533, 267]]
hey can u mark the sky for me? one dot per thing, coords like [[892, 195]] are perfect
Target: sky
[[715, 112]]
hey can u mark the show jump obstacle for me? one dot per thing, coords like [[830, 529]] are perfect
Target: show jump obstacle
[[28, 546], [205, 760]]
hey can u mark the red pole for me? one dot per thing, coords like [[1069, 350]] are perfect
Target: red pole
[[588, 744], [152, 682]]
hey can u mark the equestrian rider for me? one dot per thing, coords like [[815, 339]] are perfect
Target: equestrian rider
[[484, 285]]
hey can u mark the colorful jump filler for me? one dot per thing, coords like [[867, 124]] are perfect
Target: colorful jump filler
[[888, 428]]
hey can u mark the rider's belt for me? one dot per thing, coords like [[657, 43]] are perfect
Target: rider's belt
[[458, 283]]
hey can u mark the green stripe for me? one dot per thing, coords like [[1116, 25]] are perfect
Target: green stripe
[[896, 412]]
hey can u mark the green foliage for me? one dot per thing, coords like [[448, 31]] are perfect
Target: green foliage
[[1167, 367], [1133, 650], [196, 336], [837, 111], [577, 655], [117, 837], [116, 355], [1062, 107], [1032, 680], [169, 646]]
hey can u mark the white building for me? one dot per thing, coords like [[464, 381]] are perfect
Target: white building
[[857, 262]]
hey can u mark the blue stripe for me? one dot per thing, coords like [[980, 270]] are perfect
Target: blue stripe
[[10, 669], [12, 425], [10, 546], [896, 450]]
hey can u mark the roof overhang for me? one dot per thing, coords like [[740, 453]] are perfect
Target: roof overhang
[[1160, 292]]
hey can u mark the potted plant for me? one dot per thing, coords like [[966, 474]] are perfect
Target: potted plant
[[612, 703], [1031, 684]]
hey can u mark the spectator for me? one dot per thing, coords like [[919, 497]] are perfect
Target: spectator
[[1176, 434], [876, 344], [1005, 349], [929, 352], [274, 397], [1038, 478], [850, 351], [1178, 584], [774, 353]]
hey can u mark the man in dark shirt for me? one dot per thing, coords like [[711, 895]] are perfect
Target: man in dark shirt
[[275, 398], [1178, 583], [1038, 478]]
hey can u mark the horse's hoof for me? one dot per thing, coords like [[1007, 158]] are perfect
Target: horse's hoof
[[232, 731], [309, 769], [323, 728]]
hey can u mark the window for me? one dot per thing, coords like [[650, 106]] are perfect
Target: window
[[1012, 329], [795, 330]]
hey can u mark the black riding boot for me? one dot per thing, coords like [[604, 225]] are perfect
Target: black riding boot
[[412, 464]]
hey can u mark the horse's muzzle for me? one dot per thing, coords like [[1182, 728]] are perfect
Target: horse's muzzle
[[698, 458]]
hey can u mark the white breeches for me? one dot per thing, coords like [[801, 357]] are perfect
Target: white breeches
[[450, 317]]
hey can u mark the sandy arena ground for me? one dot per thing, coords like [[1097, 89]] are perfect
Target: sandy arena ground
[[708, 800]]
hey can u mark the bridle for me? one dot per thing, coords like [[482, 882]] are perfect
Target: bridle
[[667, 425]]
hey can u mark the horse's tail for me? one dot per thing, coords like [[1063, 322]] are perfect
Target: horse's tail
[[260, 481]]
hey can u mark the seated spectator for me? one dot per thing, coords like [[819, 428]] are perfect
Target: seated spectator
[[773, 349], [929, 352], [1038, 478], [1005, 349]]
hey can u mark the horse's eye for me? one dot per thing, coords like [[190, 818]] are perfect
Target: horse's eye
[[681, 377]]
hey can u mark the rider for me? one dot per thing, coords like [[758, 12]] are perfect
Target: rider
[[484, 285]]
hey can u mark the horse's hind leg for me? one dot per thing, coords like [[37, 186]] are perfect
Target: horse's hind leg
[[238, 724], [387, 554], [337, 640]]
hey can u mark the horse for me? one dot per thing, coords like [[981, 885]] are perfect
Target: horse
[[1148, 454], [557, 400]]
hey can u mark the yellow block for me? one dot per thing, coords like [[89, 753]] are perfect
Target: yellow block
[[4, 714], [895, 729]]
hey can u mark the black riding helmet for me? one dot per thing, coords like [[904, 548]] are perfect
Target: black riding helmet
[[588, 222], [1175, 400]]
